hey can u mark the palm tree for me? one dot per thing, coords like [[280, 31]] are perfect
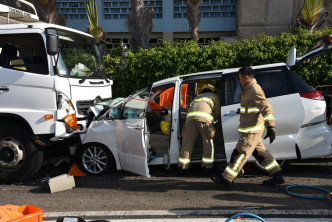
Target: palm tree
[[194, 17], [313, 15], [47, 12], [139, 24], [94, 29]]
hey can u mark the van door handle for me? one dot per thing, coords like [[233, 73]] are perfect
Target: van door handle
[[231, 113], [138, 127], [2, 89]]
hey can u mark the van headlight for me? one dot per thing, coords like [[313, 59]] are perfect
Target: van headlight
[[65, 106]]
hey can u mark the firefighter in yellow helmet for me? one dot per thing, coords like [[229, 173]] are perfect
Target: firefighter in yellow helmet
[[203, 111]]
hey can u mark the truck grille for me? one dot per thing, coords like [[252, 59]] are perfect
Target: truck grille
[[84, 105]]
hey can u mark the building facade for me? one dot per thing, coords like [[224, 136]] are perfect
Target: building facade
[[218, 19], [226, 20]]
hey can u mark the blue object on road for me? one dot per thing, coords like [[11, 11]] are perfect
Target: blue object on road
[[307, 186], [245, 214]]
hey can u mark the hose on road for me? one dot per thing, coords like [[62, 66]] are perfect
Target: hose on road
[[245, 214], [329, 193]]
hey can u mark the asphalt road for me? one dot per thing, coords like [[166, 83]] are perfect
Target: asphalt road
[[122, 191]]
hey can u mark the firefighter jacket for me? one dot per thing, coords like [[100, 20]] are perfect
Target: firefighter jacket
[[255, 110], [204, 108]]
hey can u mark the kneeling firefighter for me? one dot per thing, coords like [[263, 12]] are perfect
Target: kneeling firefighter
[[204, 109]]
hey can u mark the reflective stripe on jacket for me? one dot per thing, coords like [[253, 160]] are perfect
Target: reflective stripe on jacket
[[255, 110], [204, 108]]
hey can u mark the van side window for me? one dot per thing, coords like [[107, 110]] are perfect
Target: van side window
[[23, 52], [232, 90], [275, 82]]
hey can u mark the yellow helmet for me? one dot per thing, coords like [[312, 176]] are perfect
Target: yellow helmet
[[205, 85], [165, 127]]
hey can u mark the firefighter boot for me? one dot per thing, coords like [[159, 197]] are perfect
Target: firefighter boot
[[276, 179], [219, 179]]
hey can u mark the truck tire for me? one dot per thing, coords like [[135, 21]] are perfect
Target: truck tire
[[20, 159], [95, 159]]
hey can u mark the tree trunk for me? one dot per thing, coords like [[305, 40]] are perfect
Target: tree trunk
[[194, 17]]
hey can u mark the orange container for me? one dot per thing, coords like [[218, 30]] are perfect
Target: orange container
[[25, 213]]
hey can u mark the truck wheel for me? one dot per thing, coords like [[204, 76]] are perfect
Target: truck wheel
[[19, 157], [95, 159], [284, 164]]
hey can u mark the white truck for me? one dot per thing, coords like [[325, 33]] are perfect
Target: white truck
[[49, 76]]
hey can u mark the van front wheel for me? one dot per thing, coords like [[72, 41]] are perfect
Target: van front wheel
[[95, 159], [20, 159]]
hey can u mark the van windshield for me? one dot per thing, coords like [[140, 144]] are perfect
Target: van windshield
[[79, 56]]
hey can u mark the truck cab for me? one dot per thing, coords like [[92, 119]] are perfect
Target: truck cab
[[49, 76]]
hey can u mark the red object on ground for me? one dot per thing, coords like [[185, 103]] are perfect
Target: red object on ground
[[25, 213]]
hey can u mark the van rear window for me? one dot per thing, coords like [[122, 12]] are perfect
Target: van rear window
[[274, 82], [300, 85]]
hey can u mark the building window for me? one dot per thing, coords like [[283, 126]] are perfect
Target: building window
[[210, 8], [117, 9], [116, 42], [72, 9], [201, 41]]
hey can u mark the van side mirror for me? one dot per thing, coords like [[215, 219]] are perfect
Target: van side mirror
[[291, 58], [52, 44]]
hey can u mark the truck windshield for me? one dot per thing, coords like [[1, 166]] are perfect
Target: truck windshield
[[79, 56]]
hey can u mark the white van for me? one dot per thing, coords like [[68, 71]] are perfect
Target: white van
[[128, 135], [49, 76]]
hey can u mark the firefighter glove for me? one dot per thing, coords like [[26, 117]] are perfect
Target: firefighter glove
[[270, 133]]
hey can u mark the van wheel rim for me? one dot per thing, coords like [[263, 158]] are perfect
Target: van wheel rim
[[11, 153], [94, 160]]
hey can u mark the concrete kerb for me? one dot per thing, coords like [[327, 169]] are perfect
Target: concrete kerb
[[272, 213]]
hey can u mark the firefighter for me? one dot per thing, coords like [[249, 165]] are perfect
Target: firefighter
[[203, 111], [255, 112]]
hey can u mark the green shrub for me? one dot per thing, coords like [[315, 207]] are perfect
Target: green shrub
[[170, 59]]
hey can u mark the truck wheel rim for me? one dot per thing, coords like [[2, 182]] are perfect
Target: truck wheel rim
[[94, 160], [11, 153]]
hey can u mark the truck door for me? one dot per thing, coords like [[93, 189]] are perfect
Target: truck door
[[131, 134], [288, 110], [26, 88]]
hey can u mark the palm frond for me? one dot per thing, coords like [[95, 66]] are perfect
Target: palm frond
[[194, 16], [47, 12], [139, 24], [313, 15]]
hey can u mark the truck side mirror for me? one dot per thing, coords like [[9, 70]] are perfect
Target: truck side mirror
[[52, 44]]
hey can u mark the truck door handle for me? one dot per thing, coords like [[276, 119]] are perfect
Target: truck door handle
[[4, 89], [96, 83], [138, 127]]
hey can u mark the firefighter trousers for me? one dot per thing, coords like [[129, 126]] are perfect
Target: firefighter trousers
[[190, 133], [250, 144]]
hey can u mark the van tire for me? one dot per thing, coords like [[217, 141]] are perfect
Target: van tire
[[20, 159], [284, 165], [95, 159]]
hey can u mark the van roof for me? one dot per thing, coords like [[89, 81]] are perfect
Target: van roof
[[223, 71]]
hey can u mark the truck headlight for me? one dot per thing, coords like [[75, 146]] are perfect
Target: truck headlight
[[66, 107], [64, 103]]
